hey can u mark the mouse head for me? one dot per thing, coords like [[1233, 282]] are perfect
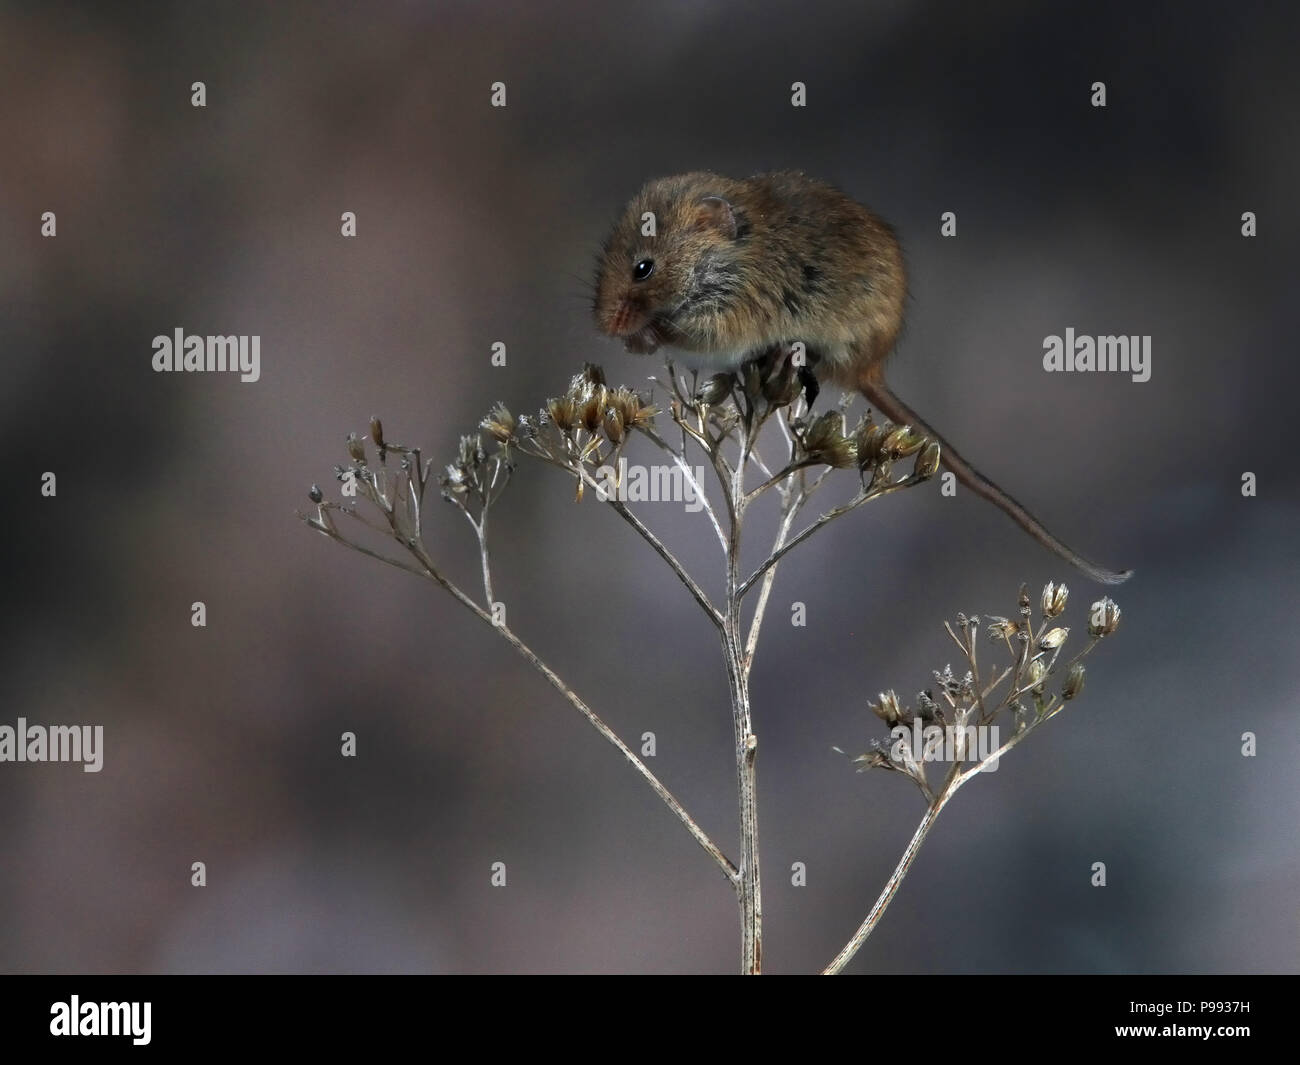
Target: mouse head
[[655, 265]]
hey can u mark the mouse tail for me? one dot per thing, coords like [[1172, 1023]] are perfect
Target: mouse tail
[[880, 397]]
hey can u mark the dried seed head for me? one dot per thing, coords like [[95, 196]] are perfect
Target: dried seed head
[[356, 449], [903, 442], [895, 436], [644, 416], [714, 390], [1054, 598], [1053, 639], [614, 429], [1001, 629], [873, 759], [927, 708], [560, 409], [527, 427], [625, 401], [471, 453], [841, 454], [1036, 676], [591, 409], [781, 387], [927, 462], [1073, 681], [870, 437], [315, 494], [824, 430], [1103, 617], [887, 708], [825, 441], [949, 683], [453, 482], [499, 423], [634, 413], [377, 432]]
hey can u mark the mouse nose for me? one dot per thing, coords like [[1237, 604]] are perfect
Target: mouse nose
[[628, 317]]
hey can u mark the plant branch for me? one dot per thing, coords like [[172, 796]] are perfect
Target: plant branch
[[891, 885]]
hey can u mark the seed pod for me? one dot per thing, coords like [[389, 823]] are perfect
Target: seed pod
[[1103, 617], [714, 390], [1073, 680], [1054, 598], [927, 462]]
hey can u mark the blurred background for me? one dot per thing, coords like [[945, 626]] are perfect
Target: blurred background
[[478, 225]]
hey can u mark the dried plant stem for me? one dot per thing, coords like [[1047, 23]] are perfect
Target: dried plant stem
[[749, 882], [891, 886], [680, 462], [480, 528], [791, 507]]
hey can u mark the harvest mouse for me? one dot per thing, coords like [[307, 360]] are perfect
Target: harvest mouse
[[737, 267]]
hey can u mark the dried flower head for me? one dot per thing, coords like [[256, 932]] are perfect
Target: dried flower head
[[902, 442], [1001, 629], [454, 482], [464, 474], [825, 441], [499, 423], [1052, 639], [1025, 608], [927, 462], [635, 413], [714, 390], [591, 408], [1036, 676], [869, 439], [1073, 681], [562, 412], [781, 387], [887, 708], [1054, 599], [1103, 617], [614, 428]]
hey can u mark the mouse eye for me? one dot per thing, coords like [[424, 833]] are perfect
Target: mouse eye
[[643, 269]]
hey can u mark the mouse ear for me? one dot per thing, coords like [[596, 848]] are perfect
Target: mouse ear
[[716, 213]]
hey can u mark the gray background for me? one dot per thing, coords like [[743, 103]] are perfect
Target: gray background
[[479, 225]]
